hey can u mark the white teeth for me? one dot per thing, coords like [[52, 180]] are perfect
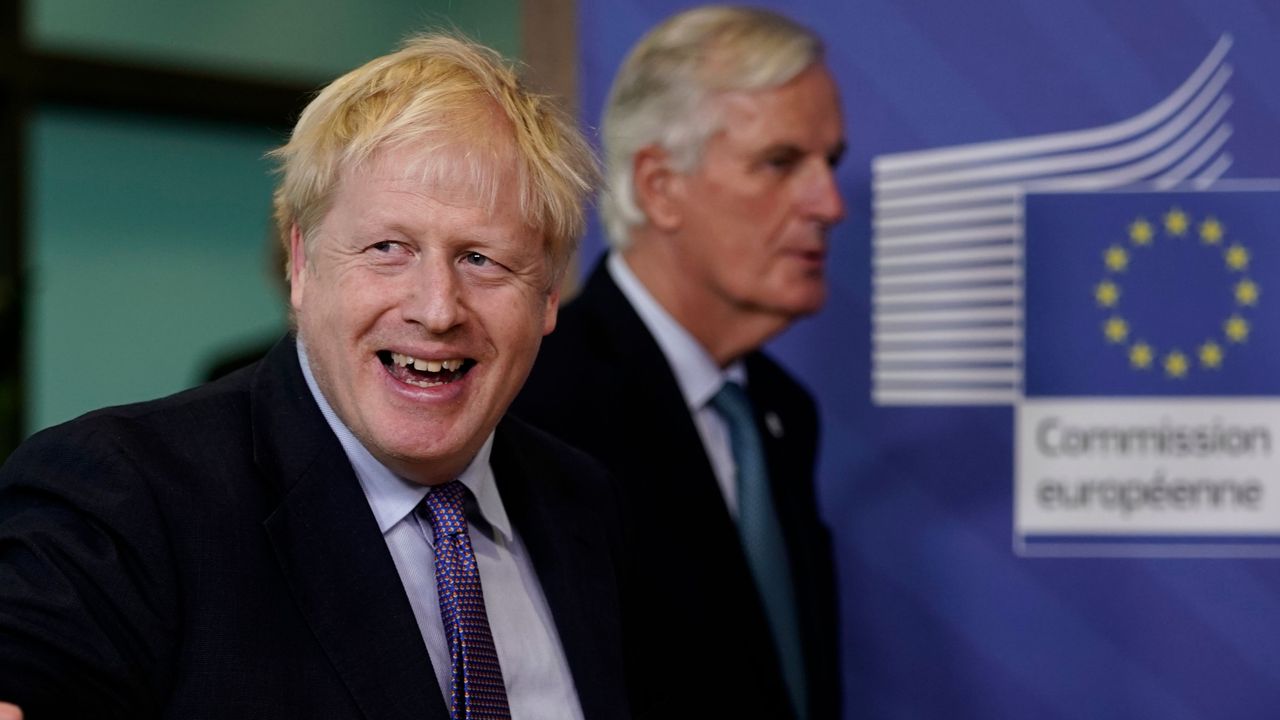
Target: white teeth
[[452, 365], [432, 366], [420, 365]]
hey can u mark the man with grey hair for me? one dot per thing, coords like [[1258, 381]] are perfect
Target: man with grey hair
[[721, 134]]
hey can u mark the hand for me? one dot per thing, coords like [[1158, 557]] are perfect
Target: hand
[[10, 712]]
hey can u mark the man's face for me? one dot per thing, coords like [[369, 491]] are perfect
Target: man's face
[[755, 211], [422, 309]]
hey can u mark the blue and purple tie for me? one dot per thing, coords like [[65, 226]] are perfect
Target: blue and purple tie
[[477, 689]]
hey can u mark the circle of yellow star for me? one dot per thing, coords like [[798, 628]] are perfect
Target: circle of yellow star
[[1116, 258], [1141, 355], [1141, 232], [1176, 222], [1237, 257], [1176, 364], [1247, 292], [1236, 328], [1116, 329], [1211, 355], [1107, 293], [1211, 231]]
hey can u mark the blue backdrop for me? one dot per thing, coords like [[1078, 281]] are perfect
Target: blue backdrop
[[942, 618]]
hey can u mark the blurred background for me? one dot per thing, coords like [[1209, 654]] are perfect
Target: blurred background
[[134, 207]]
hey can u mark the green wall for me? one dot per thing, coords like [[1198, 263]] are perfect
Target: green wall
[[295, 39]]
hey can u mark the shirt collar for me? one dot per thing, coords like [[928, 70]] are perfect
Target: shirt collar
[[391, 497], [696, 373]]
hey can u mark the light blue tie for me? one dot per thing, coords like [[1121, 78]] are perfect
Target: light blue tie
[[762, 538]]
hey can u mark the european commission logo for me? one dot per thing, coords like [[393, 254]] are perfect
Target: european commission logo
[[1122, 296], [1150, 414], [948, 228], [1152, 293]]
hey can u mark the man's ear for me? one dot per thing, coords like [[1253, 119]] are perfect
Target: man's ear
[[553, 307], [659, 188], [297, 267]]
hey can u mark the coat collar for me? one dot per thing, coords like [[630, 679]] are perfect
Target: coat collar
[[333, 557]]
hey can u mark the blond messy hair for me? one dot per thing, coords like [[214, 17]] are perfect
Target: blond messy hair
[[440, 92], [663, 96]]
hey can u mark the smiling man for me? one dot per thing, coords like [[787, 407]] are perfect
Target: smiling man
[[350, 528], [721, 135]]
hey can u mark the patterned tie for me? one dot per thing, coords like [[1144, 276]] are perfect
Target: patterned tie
[[762, 538], [477, 689]]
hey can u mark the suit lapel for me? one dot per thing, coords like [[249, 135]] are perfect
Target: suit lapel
[[647, 388], [330, 551]]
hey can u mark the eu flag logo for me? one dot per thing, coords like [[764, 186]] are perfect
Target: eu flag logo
[[1152, 293]]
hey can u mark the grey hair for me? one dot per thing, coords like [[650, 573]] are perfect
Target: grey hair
[[663, 94]]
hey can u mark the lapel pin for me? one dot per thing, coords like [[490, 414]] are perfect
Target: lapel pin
[[774, 423]]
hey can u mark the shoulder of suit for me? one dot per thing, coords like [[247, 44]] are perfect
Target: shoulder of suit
[[765, 372], [195, 422]]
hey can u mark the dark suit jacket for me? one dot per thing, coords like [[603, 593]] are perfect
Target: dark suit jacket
[[211, 555], [697, 640]]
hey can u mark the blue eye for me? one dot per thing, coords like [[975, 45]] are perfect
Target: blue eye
[[383, 247], [476, 259]]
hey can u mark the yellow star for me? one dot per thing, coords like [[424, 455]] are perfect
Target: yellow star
[[1107, 293], [1247, 292], [1116, 330], [1116, 258], [1176, 364], [1211, 231], [1237, 257], [1236, 328], [1141, 232], [1176, 222], [1141, 355], [1211, 355]]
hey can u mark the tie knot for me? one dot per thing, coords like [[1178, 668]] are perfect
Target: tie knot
[[732, 403], [447, 505]]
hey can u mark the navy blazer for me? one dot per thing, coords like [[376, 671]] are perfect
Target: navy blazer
[[698, 643], [212, 555]]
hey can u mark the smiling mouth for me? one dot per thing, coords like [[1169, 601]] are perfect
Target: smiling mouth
[[424, 373]]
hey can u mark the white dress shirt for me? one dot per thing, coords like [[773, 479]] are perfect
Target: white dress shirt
[[534, 668], [696, 373]]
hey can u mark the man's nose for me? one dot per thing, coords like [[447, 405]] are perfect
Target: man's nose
[[821, 195], [436, 301]]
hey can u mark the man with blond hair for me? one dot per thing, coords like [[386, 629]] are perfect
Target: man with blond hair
[[350, 528], [721, 134]]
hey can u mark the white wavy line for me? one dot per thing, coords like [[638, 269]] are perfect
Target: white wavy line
[[996, 334], [992, 294], [1211, 174], [1011, 313], [1075, 162], [1123, 175], [945, 397], [958, 355], [980, 254], [990, 195], [949, 237], [1195, 160], [1138, 171], [1006, 375], [1104, 135], [889, 283], [889, 226]]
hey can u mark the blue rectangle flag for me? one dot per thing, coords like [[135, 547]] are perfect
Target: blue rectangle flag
[[1152, 293]]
